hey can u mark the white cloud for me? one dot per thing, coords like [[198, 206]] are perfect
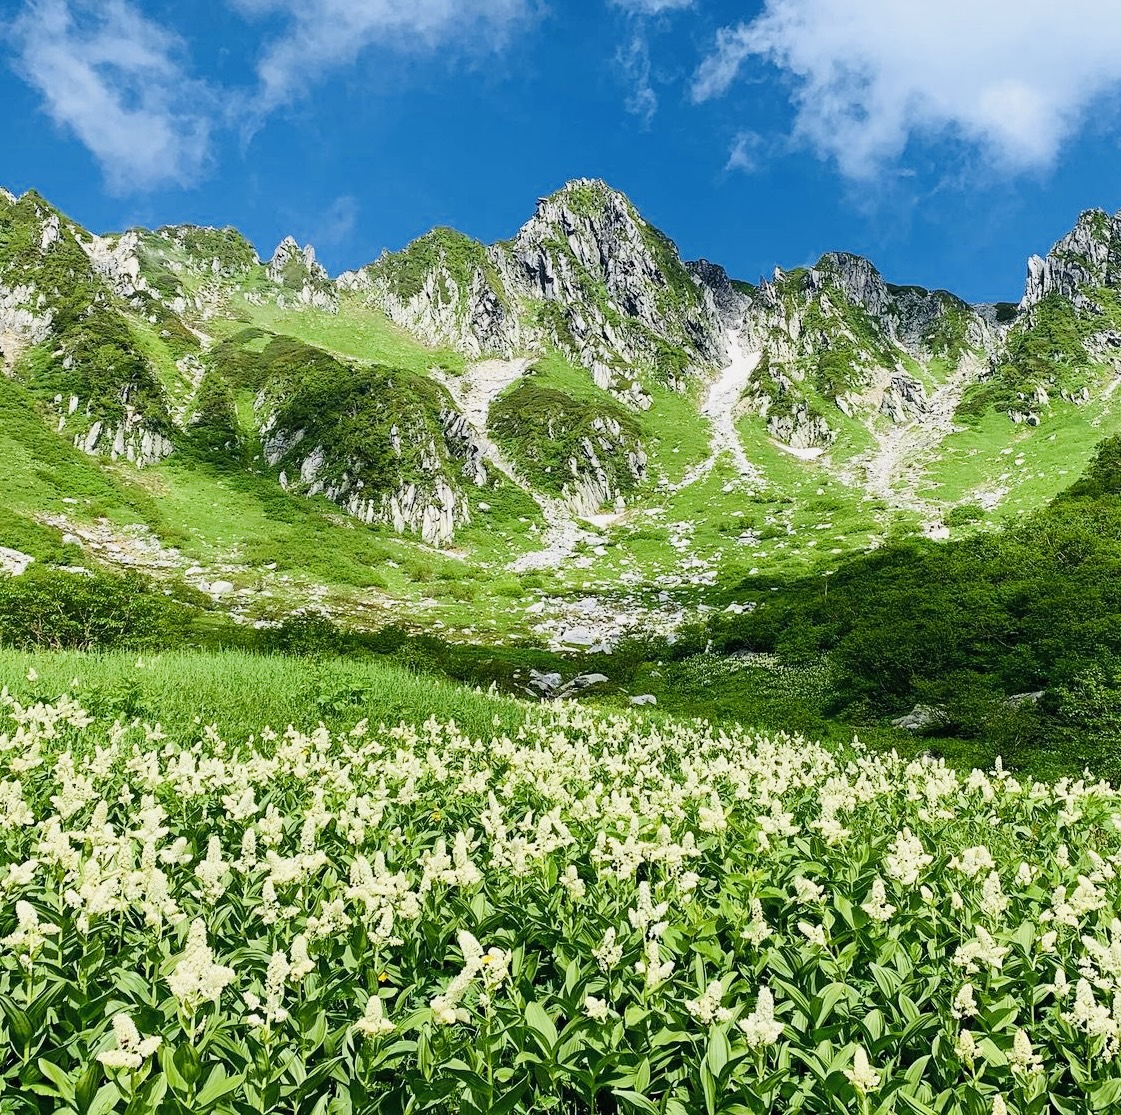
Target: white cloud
[[336, 226], [1013, 77], [633, 60], [744, 154], [652, 7], [116, 80], [325, 34]]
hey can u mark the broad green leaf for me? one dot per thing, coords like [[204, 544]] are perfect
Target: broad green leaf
[[538, 1020], [635, 1100]]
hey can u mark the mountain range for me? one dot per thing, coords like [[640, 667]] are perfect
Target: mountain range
[[562, 435]]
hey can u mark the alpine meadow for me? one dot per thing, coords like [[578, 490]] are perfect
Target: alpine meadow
[[556, 674]]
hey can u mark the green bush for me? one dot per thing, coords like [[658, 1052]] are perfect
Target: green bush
[[70, 611]]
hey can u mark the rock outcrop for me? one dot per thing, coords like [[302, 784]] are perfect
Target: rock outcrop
[[586, 275], [303, 279], [1088, 257], [837, 341]]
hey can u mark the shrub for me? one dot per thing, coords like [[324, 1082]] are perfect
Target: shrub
[[71, 611]]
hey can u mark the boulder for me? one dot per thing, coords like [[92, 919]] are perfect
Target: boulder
[[13, 562], [920, 718]]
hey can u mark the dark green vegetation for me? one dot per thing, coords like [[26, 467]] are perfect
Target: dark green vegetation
[[548, 433], [970, 627], [91, 354], [444, 252], [1045, 351]]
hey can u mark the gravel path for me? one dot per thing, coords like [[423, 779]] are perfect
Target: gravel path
[[719, 408]]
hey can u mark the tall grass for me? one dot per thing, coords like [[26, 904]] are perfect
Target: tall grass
[[242, 692]]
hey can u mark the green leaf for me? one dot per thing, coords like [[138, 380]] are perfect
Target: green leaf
[[914, 1104], [719, 1052], [1105, 1095], [828, 999], [708, 1086], [217, 1085], [641, 1078], [175, 1078], [845, 909], [635, 1099], [187, 1061], [18, 1022], [87, 1087], [58, 1078], [104, 1101], [538, 1020]]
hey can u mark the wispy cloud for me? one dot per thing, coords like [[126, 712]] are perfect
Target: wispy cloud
[[652, 7], [118, 82], [633, 60], [744, 154], [633, 56], [322, 35], [336, 225], [1012, 77]]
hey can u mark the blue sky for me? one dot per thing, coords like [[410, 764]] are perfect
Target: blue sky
[[947, 142]]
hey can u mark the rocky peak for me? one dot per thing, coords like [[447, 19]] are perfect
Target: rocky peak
[[855, 277], [7, 196], [220, 251], [304, 280], [291, 262], [447, 289], [730, 299], [599, 230], [1088, 256], [619, 283]]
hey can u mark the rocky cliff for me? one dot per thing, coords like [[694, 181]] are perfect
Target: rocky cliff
[[585, 275], [600, 347], [838, 341]]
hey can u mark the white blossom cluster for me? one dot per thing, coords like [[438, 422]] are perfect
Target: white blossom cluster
[[763, 887]]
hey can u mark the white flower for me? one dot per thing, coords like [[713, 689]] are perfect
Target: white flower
[[876, 905], [1087, 1014], [705, 1006], [573, 884], [301, 964], [756, 931], [132, 1049], [597, 1009], [1022, 1058], [993, 899], [607, 954], [760, 1028], [806, 890], [815, 934], [965, 1047], [30, 934], [862, 1076], [973, 861], [906, 859], [981, 950], [373, 1022], [211, 872], [652, 966], [964, 1004], [196, 978]]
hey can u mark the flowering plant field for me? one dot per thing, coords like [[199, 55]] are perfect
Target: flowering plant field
[[588, 914]]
